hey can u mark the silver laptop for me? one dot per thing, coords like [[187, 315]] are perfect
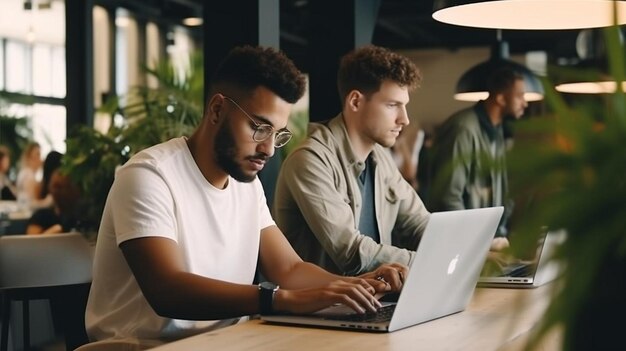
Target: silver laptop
[[440, 282], [539, 271]]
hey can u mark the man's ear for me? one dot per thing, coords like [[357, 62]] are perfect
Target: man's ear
[[215, 106], [500, 99], [354, 100]]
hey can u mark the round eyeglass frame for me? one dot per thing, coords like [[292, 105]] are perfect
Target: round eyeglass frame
[[263, 131]]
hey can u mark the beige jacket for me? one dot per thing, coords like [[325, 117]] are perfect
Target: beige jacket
[[317, 204]]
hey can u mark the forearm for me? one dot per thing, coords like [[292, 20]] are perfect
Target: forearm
[[384, 255], [307, 275], [355, 253], [173, 292], [34, 229], [192, 297], [321, 196]]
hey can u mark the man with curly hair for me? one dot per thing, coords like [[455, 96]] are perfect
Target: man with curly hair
[[186, 222], [340, 198]]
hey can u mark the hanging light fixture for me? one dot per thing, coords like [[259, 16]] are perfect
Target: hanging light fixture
[[472, 86], [192, 21], [592, 72], [605, 86], [529, 14]]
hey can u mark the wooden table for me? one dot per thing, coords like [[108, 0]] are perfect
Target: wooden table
[[496, 319], [13, 219]]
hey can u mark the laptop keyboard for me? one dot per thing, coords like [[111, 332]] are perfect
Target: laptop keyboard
[[383, 314], [525, 270]]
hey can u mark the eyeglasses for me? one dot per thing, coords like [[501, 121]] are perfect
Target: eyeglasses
[[263, 131]]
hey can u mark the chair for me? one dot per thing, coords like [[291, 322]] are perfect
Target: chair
[[56, 267]]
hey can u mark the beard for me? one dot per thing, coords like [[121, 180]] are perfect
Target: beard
[[226, 153]]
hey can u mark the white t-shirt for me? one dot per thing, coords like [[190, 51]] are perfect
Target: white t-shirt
[[161, 192]]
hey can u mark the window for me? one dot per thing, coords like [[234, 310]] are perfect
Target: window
[[1, 64], [48, 123], [58, 88], [17, 67], [42, 69], [32, 70]]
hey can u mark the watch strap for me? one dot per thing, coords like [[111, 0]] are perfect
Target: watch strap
[[266, 298]]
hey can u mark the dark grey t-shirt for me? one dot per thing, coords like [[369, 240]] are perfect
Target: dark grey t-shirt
[[367, 221]]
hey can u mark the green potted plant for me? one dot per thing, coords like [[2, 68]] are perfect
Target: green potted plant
[[144, 117], [569, 166]]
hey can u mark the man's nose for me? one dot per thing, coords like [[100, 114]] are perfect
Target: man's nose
[[267, 146], [404, 117]]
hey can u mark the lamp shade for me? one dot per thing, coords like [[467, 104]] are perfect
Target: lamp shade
[[529, 14], [598, 87], [590, 75], [472, 86]]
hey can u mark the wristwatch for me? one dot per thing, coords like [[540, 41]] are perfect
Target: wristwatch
[[266, 297]]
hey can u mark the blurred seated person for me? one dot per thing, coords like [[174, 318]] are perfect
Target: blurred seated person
[[50, 164], [406, 152], [28, 186], [7, 188], [63, 216]]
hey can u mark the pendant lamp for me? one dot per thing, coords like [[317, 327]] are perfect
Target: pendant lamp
[[529, 14], [472, 86], [590, 75], [604, 86]]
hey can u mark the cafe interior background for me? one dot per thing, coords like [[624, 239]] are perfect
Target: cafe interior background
[[62, 61]]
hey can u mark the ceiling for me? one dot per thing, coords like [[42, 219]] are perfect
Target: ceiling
[[408, 24], [401, 24]]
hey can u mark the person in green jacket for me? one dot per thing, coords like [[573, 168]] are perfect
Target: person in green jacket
[[469, 153]]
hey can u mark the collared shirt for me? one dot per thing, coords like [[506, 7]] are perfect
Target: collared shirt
[[318, 204], [492, 132]]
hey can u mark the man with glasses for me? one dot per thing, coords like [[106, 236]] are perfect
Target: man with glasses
[[340, 199], [186, 222]]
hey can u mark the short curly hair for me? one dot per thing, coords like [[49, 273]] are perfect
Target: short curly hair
[[248, 67], [365, 68]]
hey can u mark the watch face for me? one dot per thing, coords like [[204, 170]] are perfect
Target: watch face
[[268, 285]]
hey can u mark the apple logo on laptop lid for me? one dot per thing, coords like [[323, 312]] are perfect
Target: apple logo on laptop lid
[[452, 265]]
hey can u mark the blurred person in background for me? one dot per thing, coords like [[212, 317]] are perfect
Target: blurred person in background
[[406, 151], [8, 191], [64, 215], [50, 164], [28, 187], [469, 153]]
